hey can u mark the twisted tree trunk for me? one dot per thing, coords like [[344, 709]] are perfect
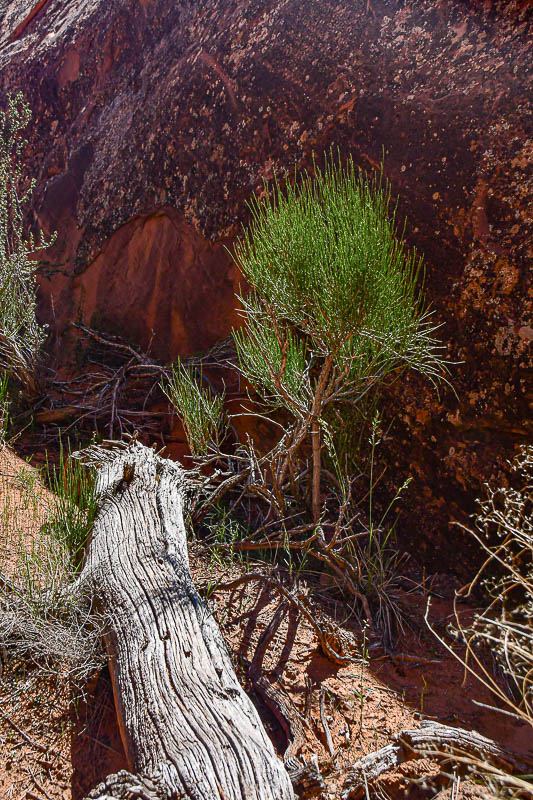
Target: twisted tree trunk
[[188, 728]]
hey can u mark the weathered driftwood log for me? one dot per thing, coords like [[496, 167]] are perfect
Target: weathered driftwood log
[[188, 728], [431, 740]]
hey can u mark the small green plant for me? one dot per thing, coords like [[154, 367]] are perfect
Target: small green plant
[[209, 589], [75, 503], [201, 411], [379, 562], [21, 336], [224, 531]]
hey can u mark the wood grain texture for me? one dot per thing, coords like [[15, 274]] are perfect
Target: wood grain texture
[[188, 728]]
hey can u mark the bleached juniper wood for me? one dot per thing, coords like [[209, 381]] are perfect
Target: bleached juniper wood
[[188, 728], [431, 740]]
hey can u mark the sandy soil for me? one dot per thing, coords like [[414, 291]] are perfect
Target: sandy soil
[[55, 746]]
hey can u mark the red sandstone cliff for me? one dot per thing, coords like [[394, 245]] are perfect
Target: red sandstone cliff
[[155, 120]]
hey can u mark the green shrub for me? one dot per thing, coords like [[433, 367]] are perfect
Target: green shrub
[[334, 310], [21, 336], [327, 270], [335, 306]]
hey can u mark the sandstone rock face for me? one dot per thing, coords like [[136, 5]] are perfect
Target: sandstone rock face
[[155, 120]]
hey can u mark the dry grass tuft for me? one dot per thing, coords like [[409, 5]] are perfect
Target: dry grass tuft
[[46, 620], [506, 625], [499, 642]]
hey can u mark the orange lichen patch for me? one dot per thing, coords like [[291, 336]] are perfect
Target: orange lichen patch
[[422, 415], [508, 276]]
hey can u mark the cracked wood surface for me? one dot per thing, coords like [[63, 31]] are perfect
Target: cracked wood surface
[[188, 728]]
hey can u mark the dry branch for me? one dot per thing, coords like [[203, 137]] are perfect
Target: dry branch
[[431, 740], [324, 721]]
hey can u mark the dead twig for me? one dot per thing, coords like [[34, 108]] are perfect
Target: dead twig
[[37, 745], [441, 743], [38, 785], [324, 721]]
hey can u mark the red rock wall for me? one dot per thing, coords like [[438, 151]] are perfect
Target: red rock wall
[[155, 120]]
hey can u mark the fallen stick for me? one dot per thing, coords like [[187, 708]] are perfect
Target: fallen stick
[[37, 745], [324, 721], [431, 740]]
